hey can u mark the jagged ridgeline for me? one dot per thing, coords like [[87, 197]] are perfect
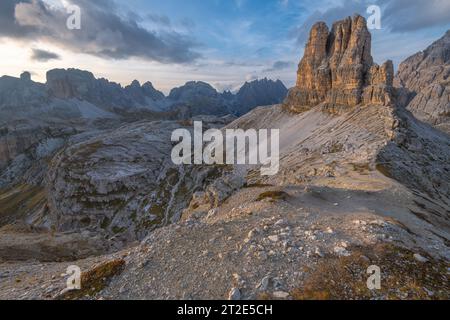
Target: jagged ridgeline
[[73, 93]]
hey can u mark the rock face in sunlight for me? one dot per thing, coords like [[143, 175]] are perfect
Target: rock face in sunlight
[[425, 78], [338, 69]]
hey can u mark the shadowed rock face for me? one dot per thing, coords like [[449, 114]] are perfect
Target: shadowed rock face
[[259, 93], [82, 85], [426, 83], [338, 68]]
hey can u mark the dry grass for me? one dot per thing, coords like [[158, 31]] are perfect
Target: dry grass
[[402, 277], [94, 280], [20, 200], [273, 196]]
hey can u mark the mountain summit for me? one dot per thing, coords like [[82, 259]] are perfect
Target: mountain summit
[[338, 69]]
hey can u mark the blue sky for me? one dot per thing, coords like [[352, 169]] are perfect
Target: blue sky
[[223, 42]]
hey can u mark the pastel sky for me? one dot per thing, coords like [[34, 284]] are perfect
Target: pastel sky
[[223, 42]]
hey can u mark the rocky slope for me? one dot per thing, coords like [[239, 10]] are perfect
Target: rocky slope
[[361, 182], [123, 183], [425, 79]]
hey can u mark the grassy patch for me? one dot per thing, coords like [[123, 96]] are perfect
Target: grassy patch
[[402, 277], [20, 200], [95, 280], [257, 185], [384, 170], [273, 196]]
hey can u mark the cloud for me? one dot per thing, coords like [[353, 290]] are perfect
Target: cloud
[[188, 23], [412, 15], [330, 15], [43, 55], [159, 19], [104, 32], [280, 65], [397, 15]]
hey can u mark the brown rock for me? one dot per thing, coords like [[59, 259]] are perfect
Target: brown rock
[[337, 68], [380, 83]]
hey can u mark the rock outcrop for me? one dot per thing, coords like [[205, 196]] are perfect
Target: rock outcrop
[[338, 69], [425, 80], [20, 93], [123, 182]]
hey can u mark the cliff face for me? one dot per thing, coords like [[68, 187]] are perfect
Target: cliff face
[[338, 69], [425, 80]]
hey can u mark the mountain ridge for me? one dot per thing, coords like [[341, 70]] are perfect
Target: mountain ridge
[[66, 84], [424, 79]]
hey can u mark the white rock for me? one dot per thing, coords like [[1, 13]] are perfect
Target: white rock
[[280, 295], [319, 253], [280, 223], [234, 295], [420, 258], [340, 251], [273, 238], [264, 284]]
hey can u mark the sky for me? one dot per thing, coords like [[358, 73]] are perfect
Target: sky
[[222, 42]]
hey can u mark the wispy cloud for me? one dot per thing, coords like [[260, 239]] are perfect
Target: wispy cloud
[[280, 65]]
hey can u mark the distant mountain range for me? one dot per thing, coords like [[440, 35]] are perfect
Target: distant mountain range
[[75, 93]]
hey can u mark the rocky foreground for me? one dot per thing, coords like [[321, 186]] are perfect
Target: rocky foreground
[[362, 182]]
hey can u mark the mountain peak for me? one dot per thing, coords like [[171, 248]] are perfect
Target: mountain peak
[[136, 84], [338, 69], [25, 76]]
